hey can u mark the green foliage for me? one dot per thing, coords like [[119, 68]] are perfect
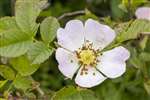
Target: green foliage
[[22, 82], [19, 31], [136, 28], [39, 52], [48, 29], [7, 72], [28, 41], [2, 83], [133, 3], [23, 65], [71, 93], [7, 23], [11, 38], [26, 15], [117, 12]]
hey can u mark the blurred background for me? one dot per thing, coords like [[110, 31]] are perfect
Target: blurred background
[[128, 87], [117, 9]]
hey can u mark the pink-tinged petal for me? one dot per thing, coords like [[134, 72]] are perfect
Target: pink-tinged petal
[[143, 13], [67, 61], [72, 36], [100, 35], [112, 62], [89, 78]]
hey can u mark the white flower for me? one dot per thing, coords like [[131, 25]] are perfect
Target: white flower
[[81, 53], [143, 13]]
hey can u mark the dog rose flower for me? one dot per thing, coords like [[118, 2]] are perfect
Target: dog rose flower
[[80, 53], [143, 13]]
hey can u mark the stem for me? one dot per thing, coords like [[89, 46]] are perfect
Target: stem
[[13, 7], [53, 48], [40, 91], [145, 33], [75, 13], [37, 87]]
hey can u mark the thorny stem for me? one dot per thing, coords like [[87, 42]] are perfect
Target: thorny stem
[[40, 91], [75, 13], [37, 88]]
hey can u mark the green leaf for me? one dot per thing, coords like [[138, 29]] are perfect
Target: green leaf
[[7, 72], [2, 83], [104, 93], [117, 13], [133, 3], [7, 23], [12, 39], [22, 82], [27, 12], [71, 93], [49, 29], [23, 65], [134, 30], [39, 52]]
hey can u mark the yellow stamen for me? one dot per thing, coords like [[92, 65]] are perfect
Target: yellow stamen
[[87, 57]]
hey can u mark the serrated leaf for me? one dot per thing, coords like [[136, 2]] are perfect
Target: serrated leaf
[[26, 14], [7, 72], [22, 82], [39, 52], [48, 29], [12, 39], [71, 93], [23, 65], [10, 51], [134, 30]]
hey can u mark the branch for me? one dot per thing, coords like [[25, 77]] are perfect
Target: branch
[[145, 33], [13, 7], [75, 13]]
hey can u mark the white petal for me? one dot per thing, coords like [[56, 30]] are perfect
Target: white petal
[[92, 78], [72, 36], [67, 61], [112, 63], [101, 35], [143, 13]]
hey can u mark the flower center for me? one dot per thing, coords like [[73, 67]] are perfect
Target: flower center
[[87, 57]]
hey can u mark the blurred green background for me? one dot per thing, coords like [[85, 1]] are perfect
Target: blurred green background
[[128, 87], [122, 9]]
